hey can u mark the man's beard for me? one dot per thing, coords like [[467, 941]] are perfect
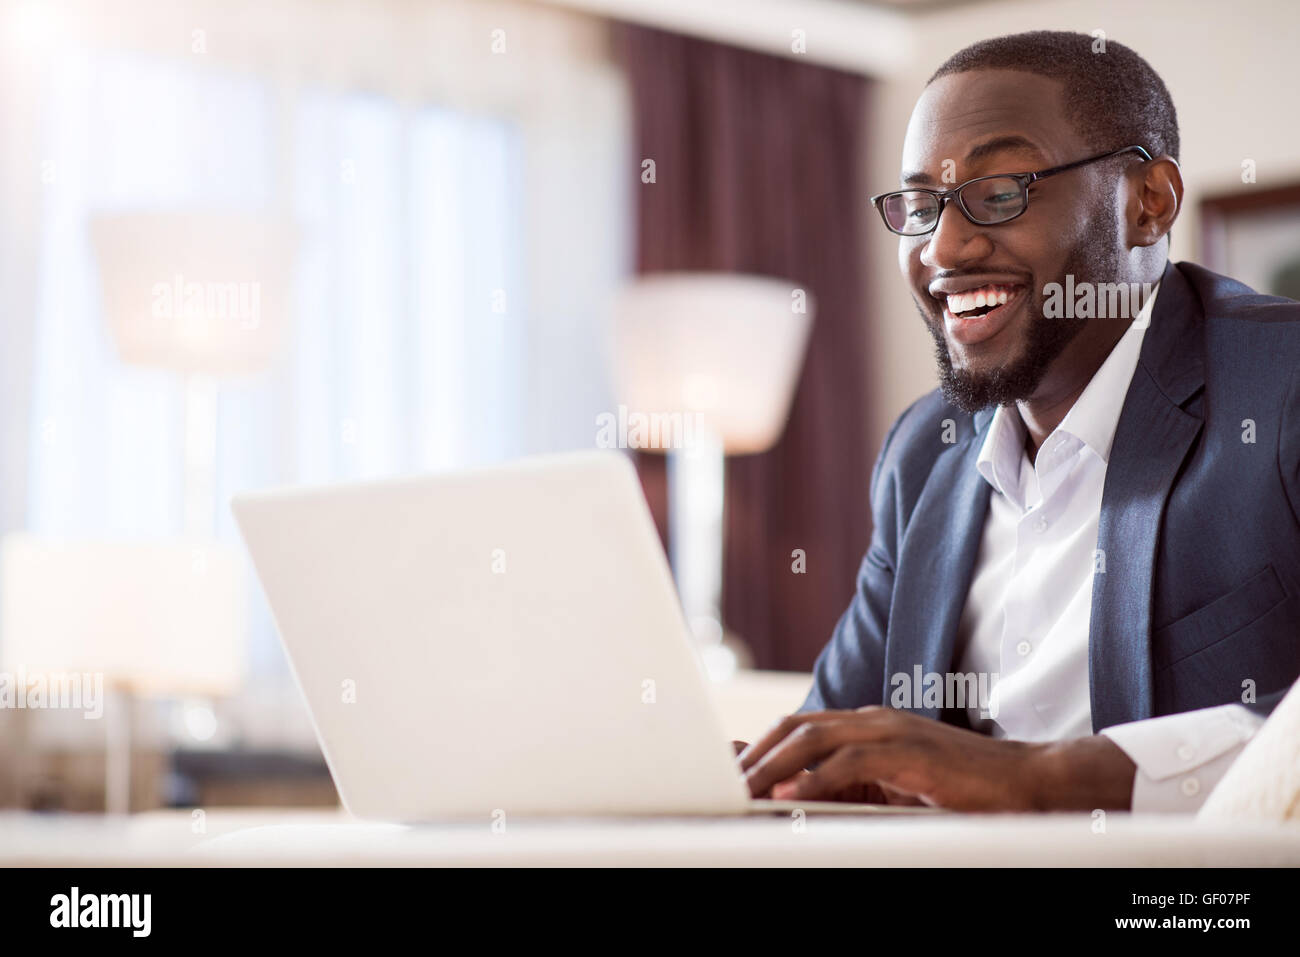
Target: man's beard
[[1045, 339]]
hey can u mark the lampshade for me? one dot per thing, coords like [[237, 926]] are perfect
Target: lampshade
[[154, 618], [200, 293], [724, 347]]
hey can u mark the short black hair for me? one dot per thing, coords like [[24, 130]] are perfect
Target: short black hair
[[1113, 98]]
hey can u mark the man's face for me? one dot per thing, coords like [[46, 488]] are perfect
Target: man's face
[[1000, 121]]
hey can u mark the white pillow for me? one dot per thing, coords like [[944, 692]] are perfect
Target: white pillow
[[1264, 782]]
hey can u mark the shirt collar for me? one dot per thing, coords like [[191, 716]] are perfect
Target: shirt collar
[[1092, 419]]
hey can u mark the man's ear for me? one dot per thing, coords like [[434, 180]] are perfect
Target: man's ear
[[1155, 201]]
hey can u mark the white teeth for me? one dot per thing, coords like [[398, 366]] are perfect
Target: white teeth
[[966, 301]]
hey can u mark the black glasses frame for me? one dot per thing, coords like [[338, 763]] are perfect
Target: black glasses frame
[[1024, 179]]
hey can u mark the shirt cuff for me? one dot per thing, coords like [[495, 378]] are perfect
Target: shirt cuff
[[1181, 757]]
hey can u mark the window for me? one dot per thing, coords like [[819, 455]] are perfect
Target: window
[[410, 333]]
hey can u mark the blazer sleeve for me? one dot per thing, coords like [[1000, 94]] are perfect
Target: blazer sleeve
[[849, 672], [1288, 447], [1288, 462]]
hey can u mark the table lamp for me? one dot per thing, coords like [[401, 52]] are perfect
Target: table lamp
[[147, 619], [707, 364], [203, 295]]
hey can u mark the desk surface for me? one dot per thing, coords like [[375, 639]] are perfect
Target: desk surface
[[305, 838]]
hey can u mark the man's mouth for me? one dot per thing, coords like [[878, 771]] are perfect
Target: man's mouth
[[973, 315], [978, 302]]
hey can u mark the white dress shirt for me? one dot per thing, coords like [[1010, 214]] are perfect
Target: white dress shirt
[[1027, 612]]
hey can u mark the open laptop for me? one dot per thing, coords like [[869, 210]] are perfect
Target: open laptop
[[502, 640]]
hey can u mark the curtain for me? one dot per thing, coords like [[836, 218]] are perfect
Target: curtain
[[757, 163], [461, 228]]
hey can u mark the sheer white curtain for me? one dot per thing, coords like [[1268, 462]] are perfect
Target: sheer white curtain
[[455, 259], [123, 133]]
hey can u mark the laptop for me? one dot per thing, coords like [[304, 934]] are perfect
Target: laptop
[[500, 641]]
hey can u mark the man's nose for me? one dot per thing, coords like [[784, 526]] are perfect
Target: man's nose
[[956, 241]]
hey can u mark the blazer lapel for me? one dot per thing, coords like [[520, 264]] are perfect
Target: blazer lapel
[[1152, 438], [935, 565]]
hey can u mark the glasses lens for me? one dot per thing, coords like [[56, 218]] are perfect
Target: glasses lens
[[994, 200], [910, 212]]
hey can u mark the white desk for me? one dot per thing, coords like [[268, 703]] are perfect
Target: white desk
[[238, 837]]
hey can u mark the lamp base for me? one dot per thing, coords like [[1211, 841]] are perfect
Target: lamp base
[[723, 652], [697, 489]]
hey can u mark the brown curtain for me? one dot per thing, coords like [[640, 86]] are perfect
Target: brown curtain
[[757, 162]]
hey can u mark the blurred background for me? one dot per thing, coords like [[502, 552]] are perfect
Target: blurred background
[[247, 243]]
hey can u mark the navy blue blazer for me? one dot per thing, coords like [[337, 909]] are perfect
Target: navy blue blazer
[[1200, 528]]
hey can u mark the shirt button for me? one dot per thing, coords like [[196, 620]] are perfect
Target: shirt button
[[1023, 648], [1186, 752], [1040, 526], [1190, 786]]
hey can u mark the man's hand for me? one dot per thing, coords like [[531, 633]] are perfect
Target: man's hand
[[913, 758]]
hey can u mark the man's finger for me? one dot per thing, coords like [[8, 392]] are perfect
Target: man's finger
[[895, 795], [785, 788], [779, 732], [811, 742], [847, 769]]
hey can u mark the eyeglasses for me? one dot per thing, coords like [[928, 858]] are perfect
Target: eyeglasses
[[985, 200]]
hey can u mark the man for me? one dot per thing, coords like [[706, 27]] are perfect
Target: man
[[1097, 517]]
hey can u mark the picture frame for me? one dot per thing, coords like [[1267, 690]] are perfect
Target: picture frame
[[1253, 235]]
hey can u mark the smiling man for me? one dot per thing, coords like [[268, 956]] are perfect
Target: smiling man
[[1097, 515]]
